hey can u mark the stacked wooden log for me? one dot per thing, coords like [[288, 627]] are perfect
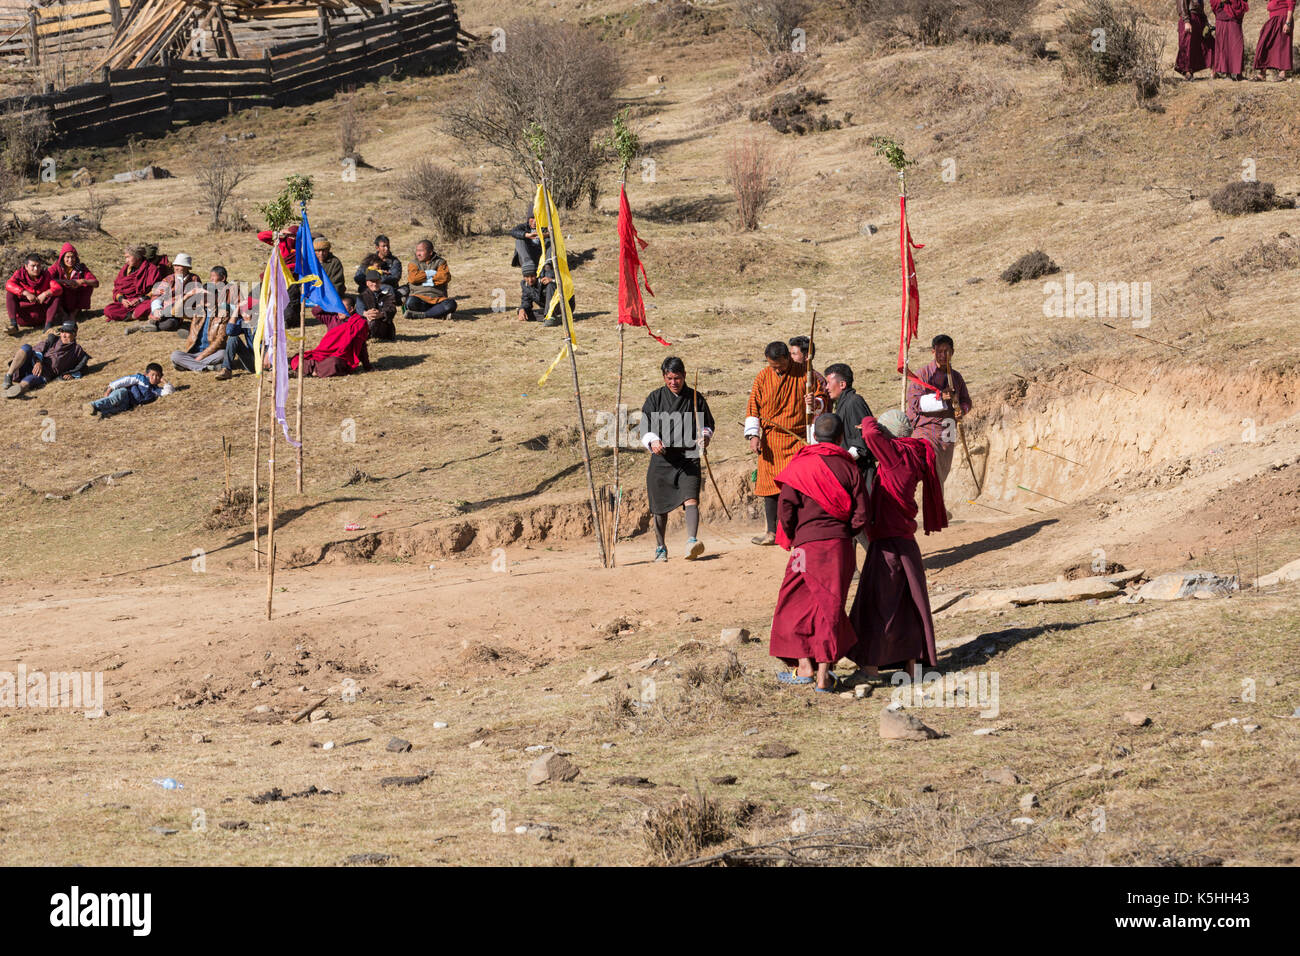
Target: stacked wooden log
[[200, 29]]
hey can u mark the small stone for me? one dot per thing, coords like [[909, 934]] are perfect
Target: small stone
[[233, 824], [819, 785], [897, 725], [1149, 685], [686, 617], [551, 767], [198, 738], [776, 751], [1249, 728], [726, 780], [327, 745], [644, 665], [1024, 821], [751, 731], [1028, 801], [983, 732], [1137, 718], [594, 677], [845, 768], [1207, 744], [440, 725], [1219, 724], [608, 746], [1270, 682], [82, 178], [319, 715], [258, 683], [535, 748], [733, 636], [164, 831], [1005, 776], [396, 745], [861, 691], [262, 709], [1092, 770], [96, 713], [476, 744]]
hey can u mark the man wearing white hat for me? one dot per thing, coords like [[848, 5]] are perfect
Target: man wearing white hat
[[175, 298]]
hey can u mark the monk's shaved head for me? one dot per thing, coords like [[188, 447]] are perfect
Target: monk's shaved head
[[828, 428]]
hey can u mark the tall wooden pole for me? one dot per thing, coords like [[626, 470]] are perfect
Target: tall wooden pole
[[618, 417], [902, 195], [257, 467], [302, 339], [808, 380], [567, 325], [270, 503]]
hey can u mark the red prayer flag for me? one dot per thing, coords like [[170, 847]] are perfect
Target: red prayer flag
[[631, 307], [911, 291]]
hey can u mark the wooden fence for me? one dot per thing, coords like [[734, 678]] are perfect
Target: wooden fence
[[150, 101]]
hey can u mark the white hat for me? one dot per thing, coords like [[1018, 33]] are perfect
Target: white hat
[[183, 259]]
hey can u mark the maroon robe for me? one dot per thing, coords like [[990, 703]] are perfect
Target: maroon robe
[[1229, 44], [1195, 49], [822, 505], [891, 611], [1273, 51], [135, 285]]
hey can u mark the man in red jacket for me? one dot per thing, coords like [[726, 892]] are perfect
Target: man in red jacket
[[891, 611], [822, 506], [31, 296]]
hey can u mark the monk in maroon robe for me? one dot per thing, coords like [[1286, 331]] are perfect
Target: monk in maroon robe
[[1273, 51], [76, 282], [1195, 47], [133, 286], [1229, 43], [822, 506], [341, 352], [891, 612]]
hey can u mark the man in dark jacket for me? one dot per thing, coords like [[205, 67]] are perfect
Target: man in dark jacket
[[378, 304], [389, 266], [528, 246], [60, 357], [851, 408]]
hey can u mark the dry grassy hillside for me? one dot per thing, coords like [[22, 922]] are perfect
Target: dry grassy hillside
[[1173, 450]]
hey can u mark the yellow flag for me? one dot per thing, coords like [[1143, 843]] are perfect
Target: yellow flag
[[548, 218]]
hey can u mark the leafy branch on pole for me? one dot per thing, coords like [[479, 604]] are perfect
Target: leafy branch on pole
[[892, 152], [625, 143], [297, 190]]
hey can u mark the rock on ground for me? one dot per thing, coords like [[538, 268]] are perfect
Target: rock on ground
[[899, 725], [551, 767], [1288, 572], [1185, 584]]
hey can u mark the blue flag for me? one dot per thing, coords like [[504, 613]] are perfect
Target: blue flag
[[317, 289]]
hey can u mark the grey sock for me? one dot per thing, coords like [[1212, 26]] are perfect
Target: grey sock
[[692, 520], [769, 512], [661, 522]]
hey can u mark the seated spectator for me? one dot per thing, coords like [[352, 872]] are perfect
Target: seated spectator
[[132, 287], [343, 349], [176, 298], [129, 391], [75, 281], [31, 296], [534, 293], [528, 247], [239, 338], [206, 347], [287, 240], [389, 266], [427, 278], [60, 357], [378, 304]]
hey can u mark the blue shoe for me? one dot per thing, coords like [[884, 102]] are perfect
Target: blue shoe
[[833, 689], [694, 548], [661, 553], [792, 678]]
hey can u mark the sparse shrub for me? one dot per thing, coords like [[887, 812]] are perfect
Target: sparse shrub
[[772, 22], [1241, 198], [790, 112], [756, 172], [446, 196], [96, 206], [25, 134], [1128, 48], [683, 829], [530, 95], [352, 129], [675, 18], [220, 169], [1030, 266]]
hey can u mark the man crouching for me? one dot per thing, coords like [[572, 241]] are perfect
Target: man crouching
[[821, 508]]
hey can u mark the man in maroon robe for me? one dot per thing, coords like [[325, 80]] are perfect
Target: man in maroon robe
[[936, 400], [133, 286], [891, 611], [1229, 44], [821, 508], [76, 282], [1273, 51], [342, 351], [31, 296], [1195, 48]]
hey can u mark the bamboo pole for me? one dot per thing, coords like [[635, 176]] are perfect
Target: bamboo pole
[[270, 505], [567, 325], [302, 338], [902, 194], [257, 467], [225, 460], [617, 493], [807, 382]]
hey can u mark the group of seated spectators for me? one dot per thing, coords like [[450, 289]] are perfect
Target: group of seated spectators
[[537, 287], [217, 318]]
